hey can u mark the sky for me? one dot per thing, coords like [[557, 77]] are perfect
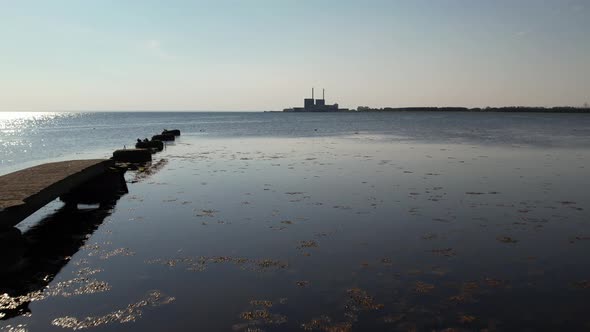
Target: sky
[[233, 55]]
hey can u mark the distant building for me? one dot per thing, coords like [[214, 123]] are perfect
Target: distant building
[[316, 105]]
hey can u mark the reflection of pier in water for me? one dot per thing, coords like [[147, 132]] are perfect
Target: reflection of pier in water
[[31, 260]]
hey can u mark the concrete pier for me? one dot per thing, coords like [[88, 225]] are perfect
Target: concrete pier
[[26, 191]]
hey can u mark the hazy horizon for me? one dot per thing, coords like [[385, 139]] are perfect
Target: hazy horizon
[[266, 55]]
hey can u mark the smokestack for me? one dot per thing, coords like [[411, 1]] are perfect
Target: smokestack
[[324, 94], [311, 93]]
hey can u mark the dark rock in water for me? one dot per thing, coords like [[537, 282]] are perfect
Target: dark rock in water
[[175, 132], [163, 138], [155, 145], [132, 155]]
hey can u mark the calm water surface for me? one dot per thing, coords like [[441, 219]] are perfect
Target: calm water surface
[[319, 222]]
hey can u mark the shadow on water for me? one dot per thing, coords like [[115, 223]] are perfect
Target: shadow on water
[[31, 260]]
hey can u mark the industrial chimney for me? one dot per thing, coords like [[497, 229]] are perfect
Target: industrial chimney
[[308, 103], [321, 102]]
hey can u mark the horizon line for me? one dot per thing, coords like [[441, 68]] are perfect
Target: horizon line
[[270, 110]]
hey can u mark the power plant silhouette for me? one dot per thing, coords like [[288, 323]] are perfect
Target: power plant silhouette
[[316, 105]]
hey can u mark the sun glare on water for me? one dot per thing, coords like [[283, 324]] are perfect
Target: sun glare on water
[[15, 121], [24, 115]]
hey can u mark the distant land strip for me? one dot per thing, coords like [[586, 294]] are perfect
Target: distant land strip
[[560, 109]]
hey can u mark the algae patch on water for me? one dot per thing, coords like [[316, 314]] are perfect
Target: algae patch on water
[[129, 314], [200, 263]]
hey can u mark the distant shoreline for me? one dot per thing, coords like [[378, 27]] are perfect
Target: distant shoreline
[[517, 109], [510, 109]]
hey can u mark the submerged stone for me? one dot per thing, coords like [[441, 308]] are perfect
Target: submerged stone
[[132, 155], [175, 132], [154, 144], [163, 137]]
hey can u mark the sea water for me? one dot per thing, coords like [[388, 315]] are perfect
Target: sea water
[[280, 222]]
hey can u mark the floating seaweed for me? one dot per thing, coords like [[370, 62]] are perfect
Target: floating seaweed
[[464, 319], [263, 303], [81, 285], [386, 261], [130, 314], [116, 252], [423, 288], [307, 244], [324, 323], [466, 293], [16, 328], [207, 213], [429, 236], [447, 252], [200, 263], [259, 315], [143, 173], [270, 263], [255, 315], [506, 239], [360, 300]]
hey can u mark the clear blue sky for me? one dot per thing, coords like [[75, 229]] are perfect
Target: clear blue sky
[[266, 54]]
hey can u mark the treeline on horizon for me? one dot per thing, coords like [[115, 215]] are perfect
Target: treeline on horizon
[[559, 109]]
